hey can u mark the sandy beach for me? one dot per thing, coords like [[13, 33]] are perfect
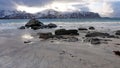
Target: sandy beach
[[59, 34], [24, 49]]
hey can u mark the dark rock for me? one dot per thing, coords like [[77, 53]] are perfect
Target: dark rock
[[66, 32], [97, 34], [82, 29], [72, 39], [60, 32], [63, 52], [117, 53], [72, 55], [45, 35], [35, 27], [44, 26], [117, 43], [51, 25], [95, 41], [52, 41], [73, 32], [34, 24], [117, 32], [112, 36], [27, 41], [22, 27], [91, 28]]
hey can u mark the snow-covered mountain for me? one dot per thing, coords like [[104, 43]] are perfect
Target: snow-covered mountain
[[75, 14], [14, 14], [49, 14]]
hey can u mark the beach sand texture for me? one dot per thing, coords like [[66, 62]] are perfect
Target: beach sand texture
[[52, 53]]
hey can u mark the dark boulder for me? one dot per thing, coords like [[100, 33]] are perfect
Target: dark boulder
[[91, 28], [27, 41], [51, 25], [82, 29], [34, 24], [60, 32], [45, 35], [117, 32], [22, 27], [97, 34], [117, 53], [66, 32], [72, 32], [95, 41]]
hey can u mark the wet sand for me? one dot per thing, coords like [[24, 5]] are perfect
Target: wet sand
[[52, 53]]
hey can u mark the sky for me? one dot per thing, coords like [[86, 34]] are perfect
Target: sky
[[106, 8]]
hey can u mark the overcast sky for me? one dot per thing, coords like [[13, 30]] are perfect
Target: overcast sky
[[105, 8]]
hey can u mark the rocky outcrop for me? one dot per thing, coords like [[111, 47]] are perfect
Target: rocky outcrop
[[97, 34], [66, 32], [34, 23], [45, 35]]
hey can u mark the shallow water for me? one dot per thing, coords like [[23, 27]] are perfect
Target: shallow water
[[64, 23]]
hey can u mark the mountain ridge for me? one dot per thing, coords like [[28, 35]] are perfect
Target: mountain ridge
[[46, 14]]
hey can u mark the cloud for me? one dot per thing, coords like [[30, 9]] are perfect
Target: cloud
[[6, 4], [11, 4], [103, 7], [33, 3], [116, 9]]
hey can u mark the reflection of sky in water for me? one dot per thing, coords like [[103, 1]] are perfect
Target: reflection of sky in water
[[27, 36]]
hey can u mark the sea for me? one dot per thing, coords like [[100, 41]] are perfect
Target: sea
[[108, 23]]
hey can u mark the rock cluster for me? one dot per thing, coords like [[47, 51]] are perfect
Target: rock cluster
[[36, 24]]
